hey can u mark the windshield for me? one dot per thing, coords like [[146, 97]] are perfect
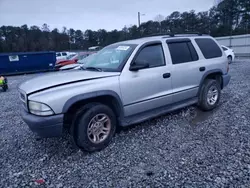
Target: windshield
[[110, 58], [70, 57], [86, 59], [82, 56]]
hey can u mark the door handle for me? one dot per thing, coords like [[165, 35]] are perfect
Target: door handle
[[166, 75], [202, 69]]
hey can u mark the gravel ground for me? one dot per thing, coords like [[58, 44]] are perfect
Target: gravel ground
[[188, 148]]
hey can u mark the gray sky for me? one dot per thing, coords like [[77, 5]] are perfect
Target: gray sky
[[91, 14]]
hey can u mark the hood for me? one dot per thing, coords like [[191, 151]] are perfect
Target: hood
[[60, 60], [65, 61], [50, 80], [70, 66]]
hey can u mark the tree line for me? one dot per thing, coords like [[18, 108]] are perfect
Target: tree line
[[230, 17]]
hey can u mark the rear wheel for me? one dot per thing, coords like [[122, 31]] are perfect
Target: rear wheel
[[230, 59], [95, 128], [209, 95]]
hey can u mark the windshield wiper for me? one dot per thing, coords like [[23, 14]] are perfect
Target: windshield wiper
[[91, 68]]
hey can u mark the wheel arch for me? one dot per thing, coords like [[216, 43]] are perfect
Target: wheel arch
[[107, 97], [215, 74]]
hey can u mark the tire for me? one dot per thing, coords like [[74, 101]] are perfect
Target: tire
[[5, 88], [86, 132], [230, 59], [209, 95]]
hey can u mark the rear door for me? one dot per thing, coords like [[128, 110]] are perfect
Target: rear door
[[187, 70]]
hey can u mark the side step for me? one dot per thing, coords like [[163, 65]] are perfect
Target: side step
[[139, 118]]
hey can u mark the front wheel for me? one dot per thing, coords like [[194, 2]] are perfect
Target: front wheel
[[209, 95], [5, 87], [95, 128]]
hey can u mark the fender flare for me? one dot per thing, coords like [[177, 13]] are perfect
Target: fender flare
[[206, 74], [91, 95]]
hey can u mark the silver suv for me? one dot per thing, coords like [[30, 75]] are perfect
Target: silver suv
[[126, 83]]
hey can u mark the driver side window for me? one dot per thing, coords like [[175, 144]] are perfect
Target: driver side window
[[152, 54]]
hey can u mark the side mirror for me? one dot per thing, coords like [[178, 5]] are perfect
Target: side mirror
[[138, 65]]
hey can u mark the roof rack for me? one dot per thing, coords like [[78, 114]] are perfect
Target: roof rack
[[158, 35], [187, 34], [167, 35], [192, 33]]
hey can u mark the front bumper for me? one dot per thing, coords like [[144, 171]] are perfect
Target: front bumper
[[57, 67], [226, 78], [50, 126]]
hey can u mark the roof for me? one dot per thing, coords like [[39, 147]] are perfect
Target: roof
[[161, 37], [94, 47]]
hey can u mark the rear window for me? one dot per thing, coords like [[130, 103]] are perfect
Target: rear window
[[209, 48]]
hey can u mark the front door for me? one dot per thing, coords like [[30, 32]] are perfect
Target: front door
[[148, 88]]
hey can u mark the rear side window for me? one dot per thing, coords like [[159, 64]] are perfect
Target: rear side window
[[153, 55], [64, 54], [182, 52], [209, 48]]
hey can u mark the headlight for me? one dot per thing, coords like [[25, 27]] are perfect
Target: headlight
[[40, 109]]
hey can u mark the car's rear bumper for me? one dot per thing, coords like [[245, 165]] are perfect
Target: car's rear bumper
[[226, 79], [51, 126]]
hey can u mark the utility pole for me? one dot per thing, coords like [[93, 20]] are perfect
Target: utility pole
[[139, 22], [139, 19]]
